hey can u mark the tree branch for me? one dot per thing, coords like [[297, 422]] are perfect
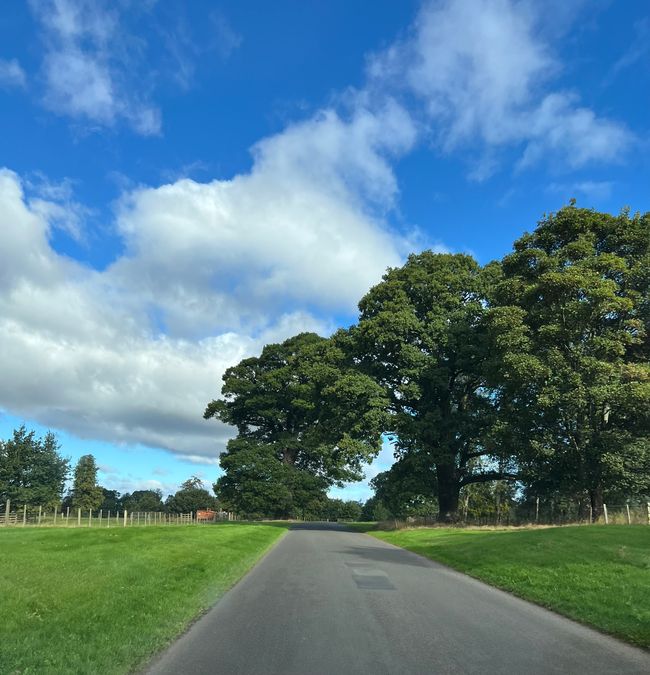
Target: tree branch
[[487, 477]]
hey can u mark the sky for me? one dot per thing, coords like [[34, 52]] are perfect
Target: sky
[[182, 183]]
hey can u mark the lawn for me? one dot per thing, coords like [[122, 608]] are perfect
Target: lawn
[[104, 601], [598, 575]]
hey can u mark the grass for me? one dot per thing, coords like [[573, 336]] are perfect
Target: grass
[[598, 575], [104, 601]]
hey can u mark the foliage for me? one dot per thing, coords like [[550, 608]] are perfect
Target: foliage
[[111, 500], [406, 488], [86, 494], [92, 600], [190, 498], [309, 405], [424, 335], [256, 483], [143, 500], [32, 471], [374, 510], [580, 390]]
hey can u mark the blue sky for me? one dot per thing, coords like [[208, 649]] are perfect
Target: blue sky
[[181, 183]]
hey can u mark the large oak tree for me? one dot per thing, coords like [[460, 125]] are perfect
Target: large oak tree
[[424, 334]]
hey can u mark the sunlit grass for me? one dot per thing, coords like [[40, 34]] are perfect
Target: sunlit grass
[[103, 601], [599, 575]]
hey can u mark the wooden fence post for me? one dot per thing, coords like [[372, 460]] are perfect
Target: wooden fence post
[[56, 508], [40, 510], [629, 520], [67, 517], [591, 514], [90, 517], [648, 507], [78, 517], [108, 523], [24, 515], [101, 513], [124, 517], [537, 510], [7, 507], [605, 514]]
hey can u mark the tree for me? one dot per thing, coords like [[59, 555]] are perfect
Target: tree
[[580, 285], [191, 498], [32, 471], [306, 419], [424, 336], [307, 402], [143, 500], [257, 484], [405, 489], [86, 494], [192, 482], [111, 500]]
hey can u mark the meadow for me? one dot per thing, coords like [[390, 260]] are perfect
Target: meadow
[[598, 575], [104, 601]]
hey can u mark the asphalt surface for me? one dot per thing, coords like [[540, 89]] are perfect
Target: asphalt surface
[[328, 601]]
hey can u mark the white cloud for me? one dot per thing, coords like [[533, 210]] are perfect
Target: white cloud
[[86, 65], [11, 74], [211, 272], [484, 69], [295, 230]]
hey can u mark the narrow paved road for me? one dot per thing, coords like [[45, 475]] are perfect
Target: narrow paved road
[[334, 602]]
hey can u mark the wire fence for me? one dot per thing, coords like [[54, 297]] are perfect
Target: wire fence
[[536, 513], [38, 516]]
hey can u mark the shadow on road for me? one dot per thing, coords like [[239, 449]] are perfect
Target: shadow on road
[[338, 527], [385, 555]]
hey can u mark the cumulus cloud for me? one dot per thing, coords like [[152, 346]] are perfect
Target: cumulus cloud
[[11, 74], [210, 273], [87, 62], [484, 71]]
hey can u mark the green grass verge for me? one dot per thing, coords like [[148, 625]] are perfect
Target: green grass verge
[[104, 601], [598, 575]]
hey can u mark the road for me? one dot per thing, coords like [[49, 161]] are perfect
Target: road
[[328, 601]]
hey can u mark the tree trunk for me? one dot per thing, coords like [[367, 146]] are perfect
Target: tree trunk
[[596, 498], [448, 491]]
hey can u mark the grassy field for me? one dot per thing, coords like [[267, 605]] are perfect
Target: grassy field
[[598, 575], [103, 601]]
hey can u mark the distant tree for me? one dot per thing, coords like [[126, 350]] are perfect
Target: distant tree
[[374, 510], [339, 509], [32, 471], [190, 499], [86, 494], [192, 482], [257, 484], [143, 500], [406, 488], [111, 500]]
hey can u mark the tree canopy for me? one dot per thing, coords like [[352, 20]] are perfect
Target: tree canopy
[[580, 285], [32, 472]]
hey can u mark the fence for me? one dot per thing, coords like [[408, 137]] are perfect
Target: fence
[[539, 513], [40, 517]]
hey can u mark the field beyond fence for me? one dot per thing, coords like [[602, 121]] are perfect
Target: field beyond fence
[[30, 516]]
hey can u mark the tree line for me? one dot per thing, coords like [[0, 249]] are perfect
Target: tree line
[[525, 377], [34, 473]]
